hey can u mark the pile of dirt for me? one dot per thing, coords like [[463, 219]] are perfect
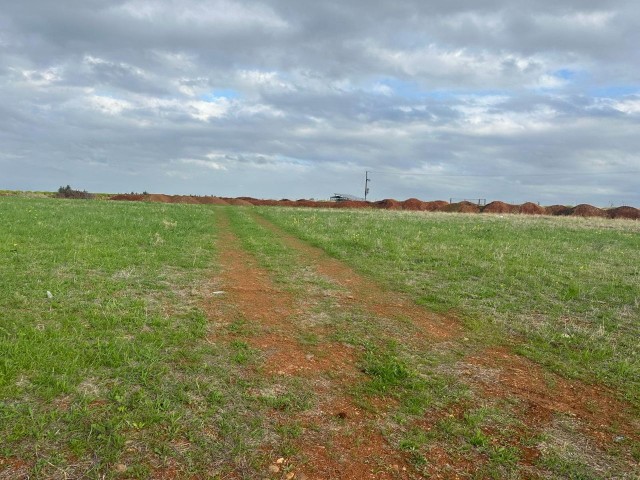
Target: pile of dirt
[[413, 204], [128, 197], [213, 201], [584, 210], [499, 207], [346, 204], [530, 208], [624, 212], [236, 201], [558, 210], [388, 204], [435, 206], [157, 197], [462, 207]]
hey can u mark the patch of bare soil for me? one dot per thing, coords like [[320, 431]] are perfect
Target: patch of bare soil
[[542, 395], [338, 441], [368, 295], [13, 468]]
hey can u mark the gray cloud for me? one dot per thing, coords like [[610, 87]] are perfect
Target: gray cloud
[[512, 100]]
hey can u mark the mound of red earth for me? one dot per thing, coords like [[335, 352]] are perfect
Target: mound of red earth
[[558, 210], [128, 197], [624, 212], [584, 210], [462, 207], [388, 204], [414, 204], [499, 207], [435, 206], [530, 208]]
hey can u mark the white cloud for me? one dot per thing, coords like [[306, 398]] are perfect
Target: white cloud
[[108, 105], [41, 78], [202, 163], [213, 13]]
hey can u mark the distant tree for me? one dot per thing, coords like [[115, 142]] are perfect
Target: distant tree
[[68, 192]]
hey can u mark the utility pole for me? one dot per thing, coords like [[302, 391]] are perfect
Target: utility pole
[[366, 184]]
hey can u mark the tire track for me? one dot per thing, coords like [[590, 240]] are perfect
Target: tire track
[[339, 439]]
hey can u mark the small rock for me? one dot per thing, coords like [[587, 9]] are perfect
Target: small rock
[[290, 475], [280, 461], [121, 467], [274, 468]]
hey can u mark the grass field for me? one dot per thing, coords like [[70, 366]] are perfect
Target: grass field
[[187, 341], [570, 287]]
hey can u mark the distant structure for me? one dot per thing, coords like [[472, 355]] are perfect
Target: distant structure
[[343, 197]]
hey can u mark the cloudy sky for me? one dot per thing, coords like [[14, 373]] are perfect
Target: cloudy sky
[[512, 100]]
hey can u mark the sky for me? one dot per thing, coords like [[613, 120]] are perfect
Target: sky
[[504, 100]]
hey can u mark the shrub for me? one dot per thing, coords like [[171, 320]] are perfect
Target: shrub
[[68, 192]]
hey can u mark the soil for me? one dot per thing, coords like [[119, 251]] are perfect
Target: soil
[[499, 207], [337, 441], [558, 210], [543, 395], [413, 204], [530, 208], [239, 202], [624, 212], [388, 204], [462, 207], [368, 295], [435, 206], [584, 210], [13, 468]]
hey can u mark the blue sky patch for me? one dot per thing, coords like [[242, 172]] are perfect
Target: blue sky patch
[[214, 95]]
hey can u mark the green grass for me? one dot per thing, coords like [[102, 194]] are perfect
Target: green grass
[[115, 368], [122, 366], [569, 287]]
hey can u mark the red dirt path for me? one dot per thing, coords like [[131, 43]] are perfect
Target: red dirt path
[[333, 369]]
